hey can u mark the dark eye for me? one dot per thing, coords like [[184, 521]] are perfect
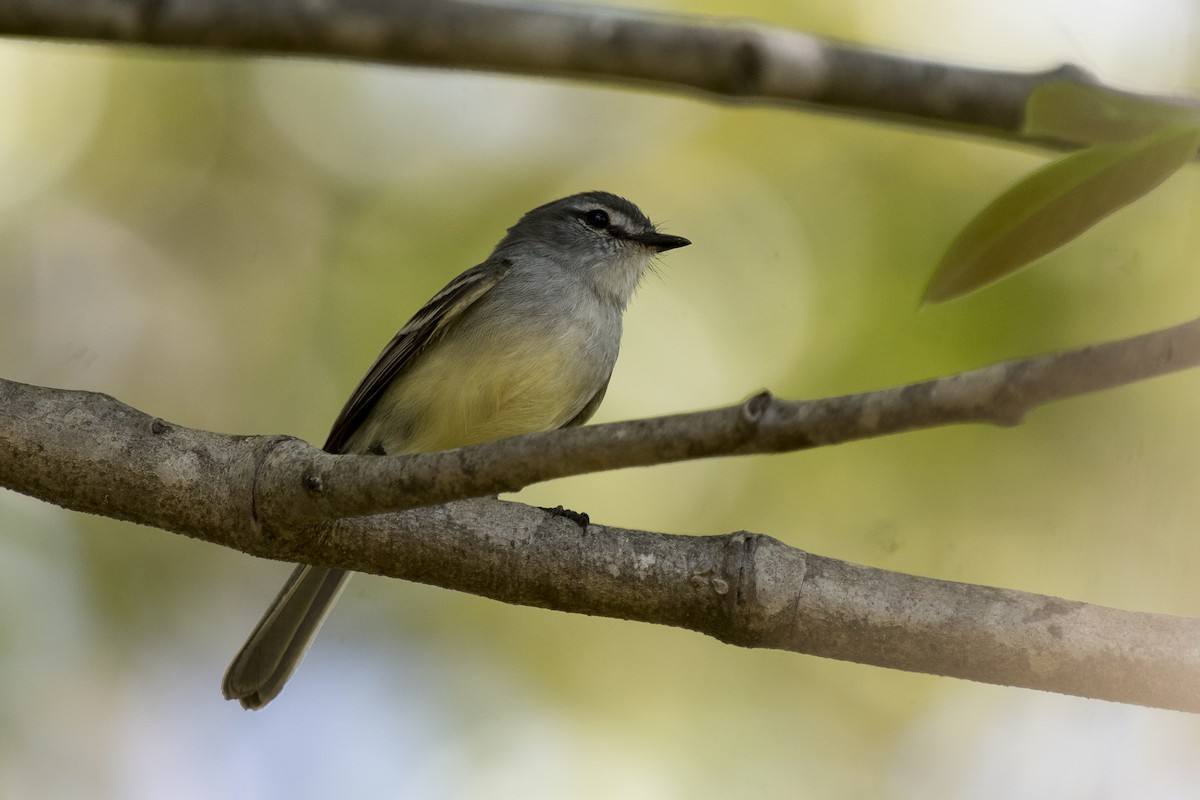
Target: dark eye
[[596, 218]]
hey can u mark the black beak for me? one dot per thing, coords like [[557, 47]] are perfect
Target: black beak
[[660, 242]]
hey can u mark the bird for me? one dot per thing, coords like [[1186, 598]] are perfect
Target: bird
[[523, 342]]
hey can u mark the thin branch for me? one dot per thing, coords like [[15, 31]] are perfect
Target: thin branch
[[274, 496], [717, 57], [344, 486]]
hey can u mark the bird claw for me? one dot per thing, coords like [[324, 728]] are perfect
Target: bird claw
[[578, 518]]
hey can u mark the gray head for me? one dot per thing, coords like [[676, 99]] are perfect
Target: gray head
[[597, 234]]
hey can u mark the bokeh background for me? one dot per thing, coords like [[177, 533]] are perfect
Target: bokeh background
[[227, 243]]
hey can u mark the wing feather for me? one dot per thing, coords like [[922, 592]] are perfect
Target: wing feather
[[429, 323]]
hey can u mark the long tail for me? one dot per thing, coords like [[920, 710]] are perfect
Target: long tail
[[283, 635]]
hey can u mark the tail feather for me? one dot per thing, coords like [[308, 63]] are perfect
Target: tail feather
[[282, 637]]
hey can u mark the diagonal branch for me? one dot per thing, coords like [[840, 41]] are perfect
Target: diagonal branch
[[276, 497], [717, 57], [344, 486]]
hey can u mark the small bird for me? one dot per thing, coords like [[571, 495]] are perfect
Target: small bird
[[524, 342]]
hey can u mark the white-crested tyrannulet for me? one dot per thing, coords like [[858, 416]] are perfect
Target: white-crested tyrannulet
[[524, 342]]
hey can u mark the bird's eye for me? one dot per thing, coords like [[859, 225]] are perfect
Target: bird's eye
[[596, 218]]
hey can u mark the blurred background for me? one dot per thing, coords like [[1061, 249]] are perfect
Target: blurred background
[[227, 243]]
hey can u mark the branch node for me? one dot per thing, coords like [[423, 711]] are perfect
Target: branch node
[[262, 458], [752, 410], [747, 65], [314, 483], [159, 427]]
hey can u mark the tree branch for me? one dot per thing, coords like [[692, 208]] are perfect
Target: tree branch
[[754, 591], [716, 57], [345, 486], [275, 497]]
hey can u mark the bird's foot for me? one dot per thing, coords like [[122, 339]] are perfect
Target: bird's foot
[[579, 519]]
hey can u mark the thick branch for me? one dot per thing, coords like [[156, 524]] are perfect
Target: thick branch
[[717, 57], [754, 591], [92, 453], [273, 496]]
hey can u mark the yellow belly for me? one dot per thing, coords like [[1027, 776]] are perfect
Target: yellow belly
[[466, 392]]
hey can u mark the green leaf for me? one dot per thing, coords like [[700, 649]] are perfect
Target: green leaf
[[1054, 205], [1089, 114]]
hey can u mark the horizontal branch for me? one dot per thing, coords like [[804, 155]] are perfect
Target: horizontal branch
[[716, 57], [754, 591], [277, 497]]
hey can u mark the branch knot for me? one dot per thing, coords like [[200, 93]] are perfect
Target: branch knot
[[753, 410]]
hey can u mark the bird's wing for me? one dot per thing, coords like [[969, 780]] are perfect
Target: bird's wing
[[426, 325]]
